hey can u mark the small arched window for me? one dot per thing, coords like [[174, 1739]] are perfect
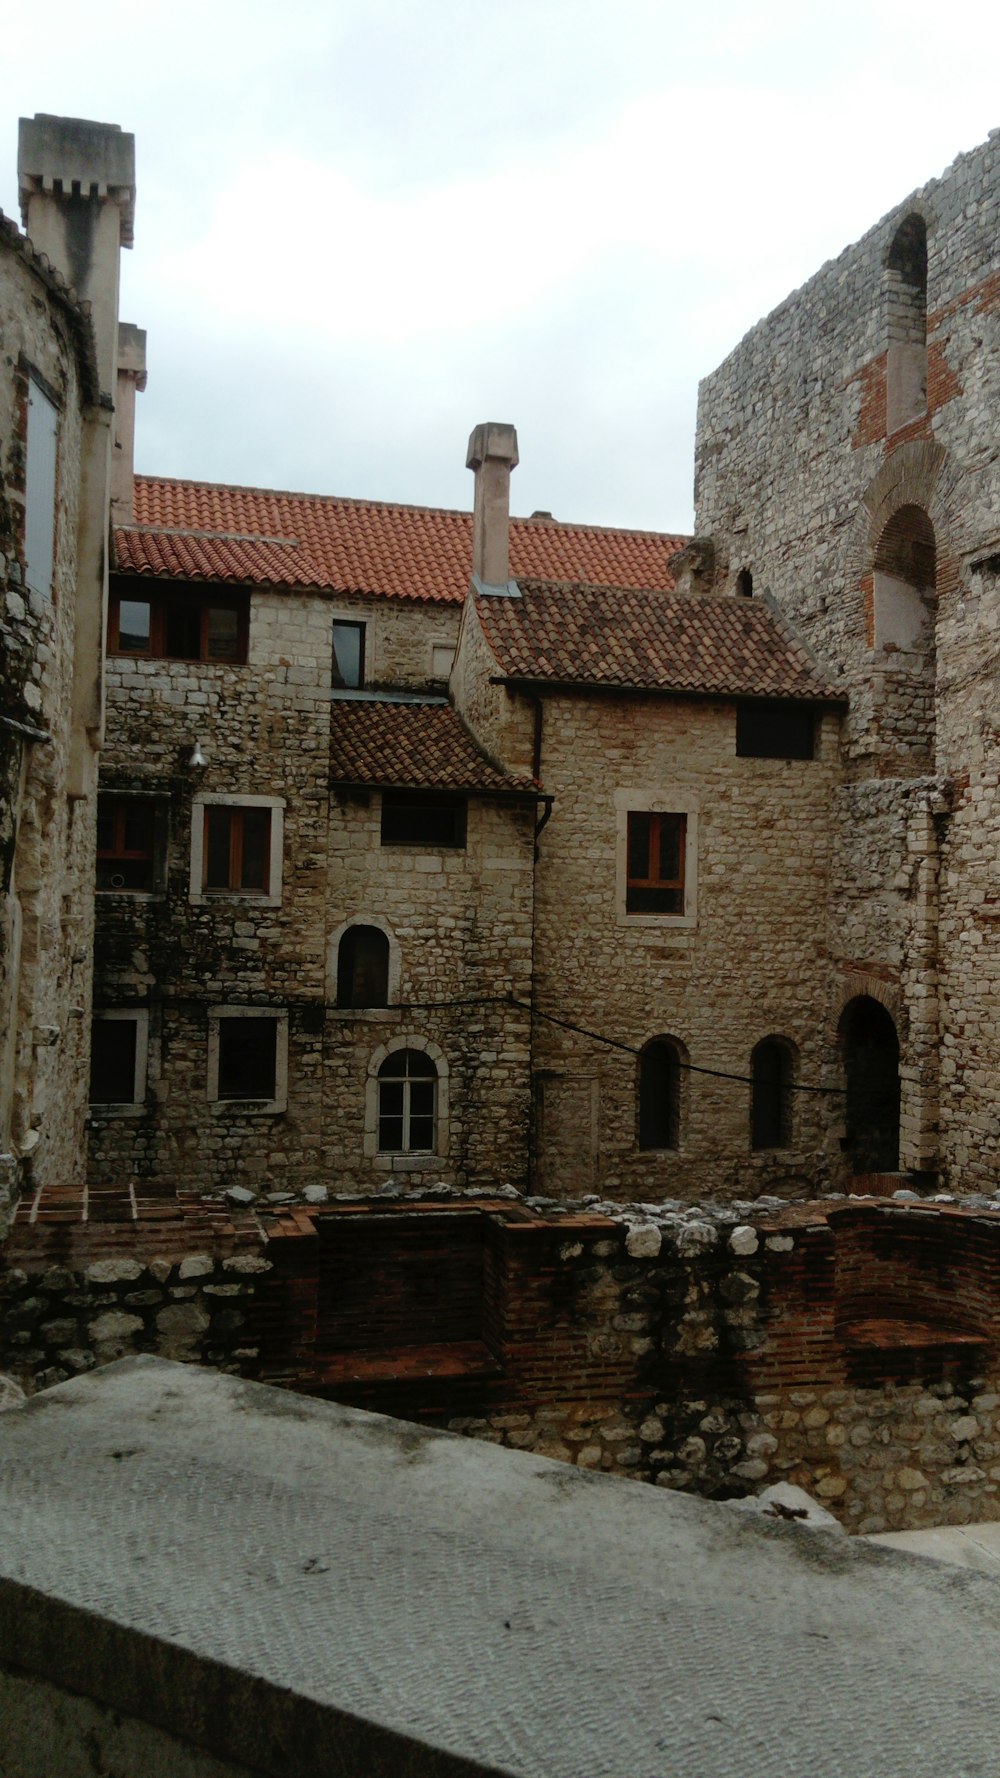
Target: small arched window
[[744, 583], [407, 1103], [363, 967], [771, 1073], [660, 1095]]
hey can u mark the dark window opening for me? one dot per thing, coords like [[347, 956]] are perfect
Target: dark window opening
[[348, 656], [237, 850], [126, 844], [744, 583], [407, 1103], [113, 1044], [248, 1058], [415, 819], [771, 1095], [363, 967], [659, 1095], [871, 1065], [656, 845], [175, 626], [768, 730]]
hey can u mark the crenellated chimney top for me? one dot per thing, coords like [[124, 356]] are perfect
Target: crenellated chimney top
[[77, 187], [492, 455]]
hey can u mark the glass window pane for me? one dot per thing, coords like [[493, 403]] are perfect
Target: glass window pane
[[421, 1135], [134, 626], [223, 633], [138, 826], [112, 1061], [390, 1135], [40, 491], [247, 1058], [256, 849], [419, 1063], [670, 848], [217, 822], [391, 1098], [422, 1098], [348, 655], [638, 845]]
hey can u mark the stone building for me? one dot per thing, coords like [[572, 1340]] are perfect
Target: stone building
[[847, 463], [58, 366]]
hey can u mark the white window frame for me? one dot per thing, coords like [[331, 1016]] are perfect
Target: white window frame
[[197, 894], [679, 801], [427, 1159], [139, 1017], [249, 1107], [40, 481]]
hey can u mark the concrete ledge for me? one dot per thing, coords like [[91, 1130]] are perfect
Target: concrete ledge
[[285, 1585]]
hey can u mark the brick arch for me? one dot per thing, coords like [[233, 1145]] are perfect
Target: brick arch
[[859, 982], [920, 473]]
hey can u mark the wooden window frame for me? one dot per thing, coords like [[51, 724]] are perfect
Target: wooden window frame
[[653, 880], [348, 623], [235, 814], [126, 855], [159, 601]]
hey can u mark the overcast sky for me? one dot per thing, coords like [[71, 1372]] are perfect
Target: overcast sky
[[365, 225]]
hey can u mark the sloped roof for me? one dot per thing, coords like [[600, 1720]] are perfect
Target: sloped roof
[[416, 746], [649, 641], [204, 531]]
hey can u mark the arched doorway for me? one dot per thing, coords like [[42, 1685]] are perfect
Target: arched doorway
[[870, 1048]]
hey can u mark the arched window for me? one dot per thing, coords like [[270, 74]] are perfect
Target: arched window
[[906, 315], [363, 967], [771, 1073], [407, 1103], [744, 583], [871, 1066], [660, 1094]]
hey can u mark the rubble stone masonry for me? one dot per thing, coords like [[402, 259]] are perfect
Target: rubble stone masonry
[[799, 481]]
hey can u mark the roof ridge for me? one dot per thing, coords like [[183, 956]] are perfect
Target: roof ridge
[[182, 481]]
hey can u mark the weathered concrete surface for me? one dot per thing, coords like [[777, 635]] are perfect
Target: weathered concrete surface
[[298, 1587], [966, 1546]]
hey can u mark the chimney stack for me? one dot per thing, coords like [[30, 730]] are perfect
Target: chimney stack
[[131, 379], [77, 187], [492, 455]]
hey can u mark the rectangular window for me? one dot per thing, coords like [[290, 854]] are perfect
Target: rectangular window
[[248, 1059], [164, 624], [348, 656], [655, 881], [40, 490], [126, 844], [442, 659], [772, 730], [418, 819], [237, 850], [118, 1044]]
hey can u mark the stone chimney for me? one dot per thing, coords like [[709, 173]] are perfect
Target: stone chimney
[[131, 379], [77, 187], [492, 455]]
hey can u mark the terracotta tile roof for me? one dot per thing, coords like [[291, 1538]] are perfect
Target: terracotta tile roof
[[725, 647], [416, 746], [200, 531]]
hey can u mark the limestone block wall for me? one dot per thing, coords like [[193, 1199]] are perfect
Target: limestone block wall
[[801, 466], [459, 923], [46, 834], [406, 642], [848, 1346], [749, 961]]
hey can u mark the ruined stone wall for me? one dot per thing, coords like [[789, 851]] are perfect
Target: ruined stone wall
[[747, 962], [459, 922], [46, 835], [848, 1346], [798, 477]]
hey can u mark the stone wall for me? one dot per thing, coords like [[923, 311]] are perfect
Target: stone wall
[[800, 480], [459, 922], [849, 1346], [46, 833]]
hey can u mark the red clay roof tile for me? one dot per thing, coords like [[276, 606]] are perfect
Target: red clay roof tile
[[202, 531], [654, 641], [416, 746]]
